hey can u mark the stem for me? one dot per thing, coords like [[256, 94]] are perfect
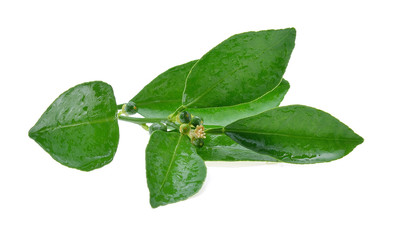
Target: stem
[[173, 125], [141, 120], [219, 130], [119, 106], [173, 115], [145, 126]]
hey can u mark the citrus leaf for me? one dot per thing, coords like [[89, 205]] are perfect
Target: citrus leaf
[[295, 134], [163, 95], [223, 148], [225, 115], [174, 170], [80, 128], [240, 69]]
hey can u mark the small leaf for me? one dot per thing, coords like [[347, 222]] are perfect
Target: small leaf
[[174, 170], [223, 148], [225, 115], [295, 134], [163, 95], [240, 69], [80, 128]]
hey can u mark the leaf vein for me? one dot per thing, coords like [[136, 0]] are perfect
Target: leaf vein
[[229, 74], [171, 163], [75, 125], [290, 135]]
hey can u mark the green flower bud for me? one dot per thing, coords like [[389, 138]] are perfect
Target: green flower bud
[[196, 121], [184, 117], [130, 108], [185, 128], [157, 126], [198, 142]]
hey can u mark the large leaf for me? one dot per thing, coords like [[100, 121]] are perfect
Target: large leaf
[[80, 129], [223, 148], [163, 95], [240, 69], [174, 170], [224, 115], [295, 134]]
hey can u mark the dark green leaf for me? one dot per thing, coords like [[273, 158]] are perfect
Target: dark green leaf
[[80, 129], [295, 134], [240, 69], [163, 95], [222, 148], [224, 115], [174, 170]]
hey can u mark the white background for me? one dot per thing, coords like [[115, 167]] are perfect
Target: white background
[[342, 63]]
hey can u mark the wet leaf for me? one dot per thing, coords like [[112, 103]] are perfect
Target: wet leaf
[[295, 134], [80, 129], [240, 69], [223, 148], [163, 95], [224, 115], [174, 170]]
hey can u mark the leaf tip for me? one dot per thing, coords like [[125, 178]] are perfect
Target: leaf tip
[[361, 139], [154, 204], [31, 133], [291, 30]]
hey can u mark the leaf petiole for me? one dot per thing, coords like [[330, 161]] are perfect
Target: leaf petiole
[[141, 121], [172, 116], [216, 130], [119, 106]]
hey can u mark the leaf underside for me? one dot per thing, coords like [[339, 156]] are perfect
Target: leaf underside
[[223, 116]]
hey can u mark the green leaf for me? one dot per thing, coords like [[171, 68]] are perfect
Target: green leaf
[[295, 134], [223, 148], [80, 128], [163, 95], [174, 170], [225, 115], [240, 69]]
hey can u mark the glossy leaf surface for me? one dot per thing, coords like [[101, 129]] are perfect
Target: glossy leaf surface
[[225, 115], [163, 95], [295, 134], [223, 148], [80, 129], [174, 170], [240, 69]]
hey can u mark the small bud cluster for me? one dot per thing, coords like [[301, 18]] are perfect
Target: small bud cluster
[[189, 122]]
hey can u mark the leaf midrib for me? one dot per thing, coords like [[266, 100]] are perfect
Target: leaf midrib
[[75, 125], [294, 136], [171, 163], [240, 105], [238, 148], [229, 74], [157, 101]]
